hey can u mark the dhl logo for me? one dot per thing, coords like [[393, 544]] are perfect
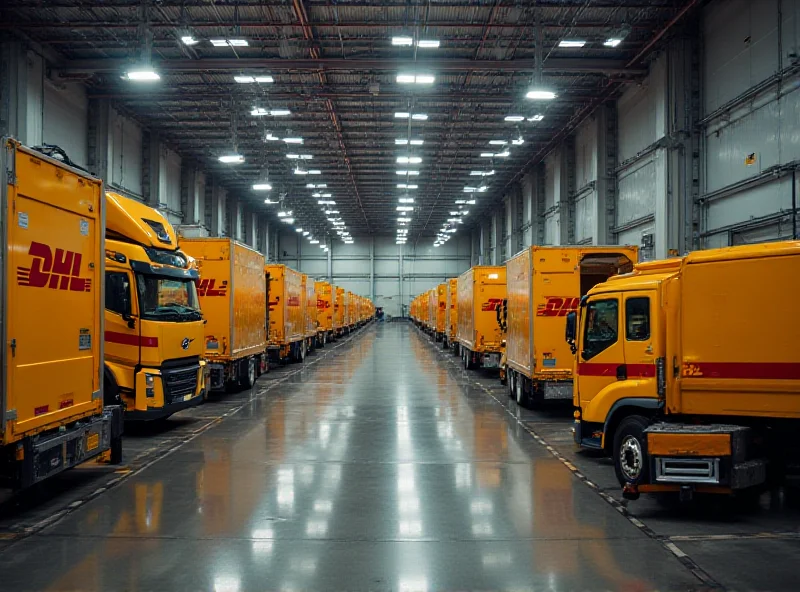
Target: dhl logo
[[323, 303], [59, 272], [293, 301], [557, 306], [492, 304], [273, 303], [442, 305], [207, 287]]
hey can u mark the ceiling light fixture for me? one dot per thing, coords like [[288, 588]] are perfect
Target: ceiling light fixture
[[144, 73], [537, 117], [409, 160], [405, 186], [514, 118], [498, 142], [428, 43], [405, 208], [612, 42], [403, 41], [231, 158], [406, 200], [262, 187], [503, 154], [571, 43], [539, 94], [189, 39], [293, 140]]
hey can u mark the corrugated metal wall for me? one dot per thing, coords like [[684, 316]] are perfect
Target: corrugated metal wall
[[66, 120], [552, 191], [169, 190], [124, 153], [585, 181]]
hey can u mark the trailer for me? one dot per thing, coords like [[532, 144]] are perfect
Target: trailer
[[481, 292], [310, 312], [287, 313], [324, 298]]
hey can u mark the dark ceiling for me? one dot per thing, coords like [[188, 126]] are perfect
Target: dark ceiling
[[334, 67]]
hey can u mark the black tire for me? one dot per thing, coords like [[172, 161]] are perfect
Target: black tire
[[457, 349], [520, 392], [116, 451], [631, 461], [511, 378], [247, 373], [110, 391]]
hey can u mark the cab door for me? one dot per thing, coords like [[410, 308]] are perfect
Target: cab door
[[121, 339], [601, 353], [640, 343]]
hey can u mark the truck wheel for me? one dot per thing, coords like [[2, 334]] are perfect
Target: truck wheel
[[247, 373], [510, 380], [301, 351], [116, 451], [631, 462], [457, 349], [519, 389]]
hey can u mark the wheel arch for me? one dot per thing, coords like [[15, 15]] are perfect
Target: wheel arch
[[644, 406]]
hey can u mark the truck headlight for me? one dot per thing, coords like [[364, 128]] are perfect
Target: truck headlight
[[150, 385]]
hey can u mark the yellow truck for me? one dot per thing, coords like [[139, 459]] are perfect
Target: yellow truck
[[287, 315], [688, 370], [324, 298], [544, 284], [481, 291], [153, 324], [233, 296], [52, 414], [450, 315], [310, 313], [439, 311], [338, 311]]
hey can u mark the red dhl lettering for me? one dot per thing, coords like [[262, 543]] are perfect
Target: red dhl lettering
[[323, 303], [207, 287], [59, 272], [273, 303], [293, 301], [557, 306], [492, 304], [442, 305]]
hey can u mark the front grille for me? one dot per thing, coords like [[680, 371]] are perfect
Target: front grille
[[179, 383]]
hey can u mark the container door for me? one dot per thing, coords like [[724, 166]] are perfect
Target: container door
[[601, 355]]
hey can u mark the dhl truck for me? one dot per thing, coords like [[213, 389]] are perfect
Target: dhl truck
[[52, 413], [349, 308], [337, 294], [450, 315], [233, 296], [688, 370], [481, 291], [287, 315], [153, 324], [439, 311], [544, 284], [309, 312], [324, 298]]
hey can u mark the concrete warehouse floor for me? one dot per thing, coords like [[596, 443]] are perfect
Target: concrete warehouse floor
[[378, 465]]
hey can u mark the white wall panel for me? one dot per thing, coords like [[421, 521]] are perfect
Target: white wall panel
[[125, 153], [642, 112], [638, 189], [585, 216], [200, 198], [66, 122], [169, 190], [528, 210], [633, 236], [34, 101], [552, 189], [741, 47], [586, 153]]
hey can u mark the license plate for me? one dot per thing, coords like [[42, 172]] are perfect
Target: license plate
[[93, 441]]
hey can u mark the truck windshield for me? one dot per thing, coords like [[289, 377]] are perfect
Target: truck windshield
[[167, 298]]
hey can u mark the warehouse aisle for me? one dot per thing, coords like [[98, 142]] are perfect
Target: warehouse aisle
[[377, 468]]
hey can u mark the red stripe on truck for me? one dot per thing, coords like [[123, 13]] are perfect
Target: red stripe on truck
[[127, 339], [743, 370], [634, 370]]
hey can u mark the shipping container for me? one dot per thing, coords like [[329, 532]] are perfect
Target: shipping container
[[544, 284], [233, 297], [481, 294]]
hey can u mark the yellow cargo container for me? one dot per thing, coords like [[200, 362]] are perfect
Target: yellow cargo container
[[346, 311], [544, 284], [233, 297], [51, 317], [439, 311], [450, 315], [310, 312], [324, 298], [287, 315], [481, 292], [338, 310]]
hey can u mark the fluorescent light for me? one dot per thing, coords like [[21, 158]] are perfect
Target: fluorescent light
[[219, 42], [298, 230], [402, 115], [293, 140], [314, 172], [314, 241], [299, 171], [406, 200], [284, 214], [410, 173], [419, 116], [482, 173], [514, 118], [238, 42], [407, 41], [404, 186], [406, 78], [288, 220], [189, 40], [405, 208], [541, 95], [455, 220], [143, 74], [231, 158], [409, 160], [325, 202], [612, 42], [269, 201], [470, 202], [329, 212], [498, 142], [317, 186], [571, 43], [338, 223], [404, 142], [487, 154], [503, 154], [262, 187], [321, 194], [258, 112], [404, 219], [244, 79], [518, 142], [428, 43], [280, 112], [300, 156], [306, 233], [425, 79], [271, 138], [537, 117], [264, 79]]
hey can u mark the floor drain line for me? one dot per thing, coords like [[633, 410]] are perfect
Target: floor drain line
[[682, 557]]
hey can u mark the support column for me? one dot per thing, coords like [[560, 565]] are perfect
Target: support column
[[251, 229], [151, 168], [218, 198], [21, 93], [263, 246], [99, 135], [372, 268]]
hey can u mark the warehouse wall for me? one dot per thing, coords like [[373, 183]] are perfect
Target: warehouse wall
[[388, 273]]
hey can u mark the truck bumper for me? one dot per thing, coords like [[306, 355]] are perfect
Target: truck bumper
[[42, 456], [490, 360], [154, 413]]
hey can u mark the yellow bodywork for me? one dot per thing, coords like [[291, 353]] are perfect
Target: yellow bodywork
[[53, 289], [309, 307], [141, 250], [544, 284], [287, 313], [451, 315], [233, 297], [481, 290], [338, 309], [324, 299]]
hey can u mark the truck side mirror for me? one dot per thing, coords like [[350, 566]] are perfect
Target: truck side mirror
[[571, 330], [124, 297]]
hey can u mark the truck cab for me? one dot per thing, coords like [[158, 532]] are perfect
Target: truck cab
[[153, 323]]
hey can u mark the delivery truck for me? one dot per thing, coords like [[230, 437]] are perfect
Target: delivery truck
[[439, 311], [450, 315], [337, 294], [233, 297], [287, 314], [310, 313], [154, 327], [52, 412], [481, 291], [324, 298], [688, 370], [544, 284]]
